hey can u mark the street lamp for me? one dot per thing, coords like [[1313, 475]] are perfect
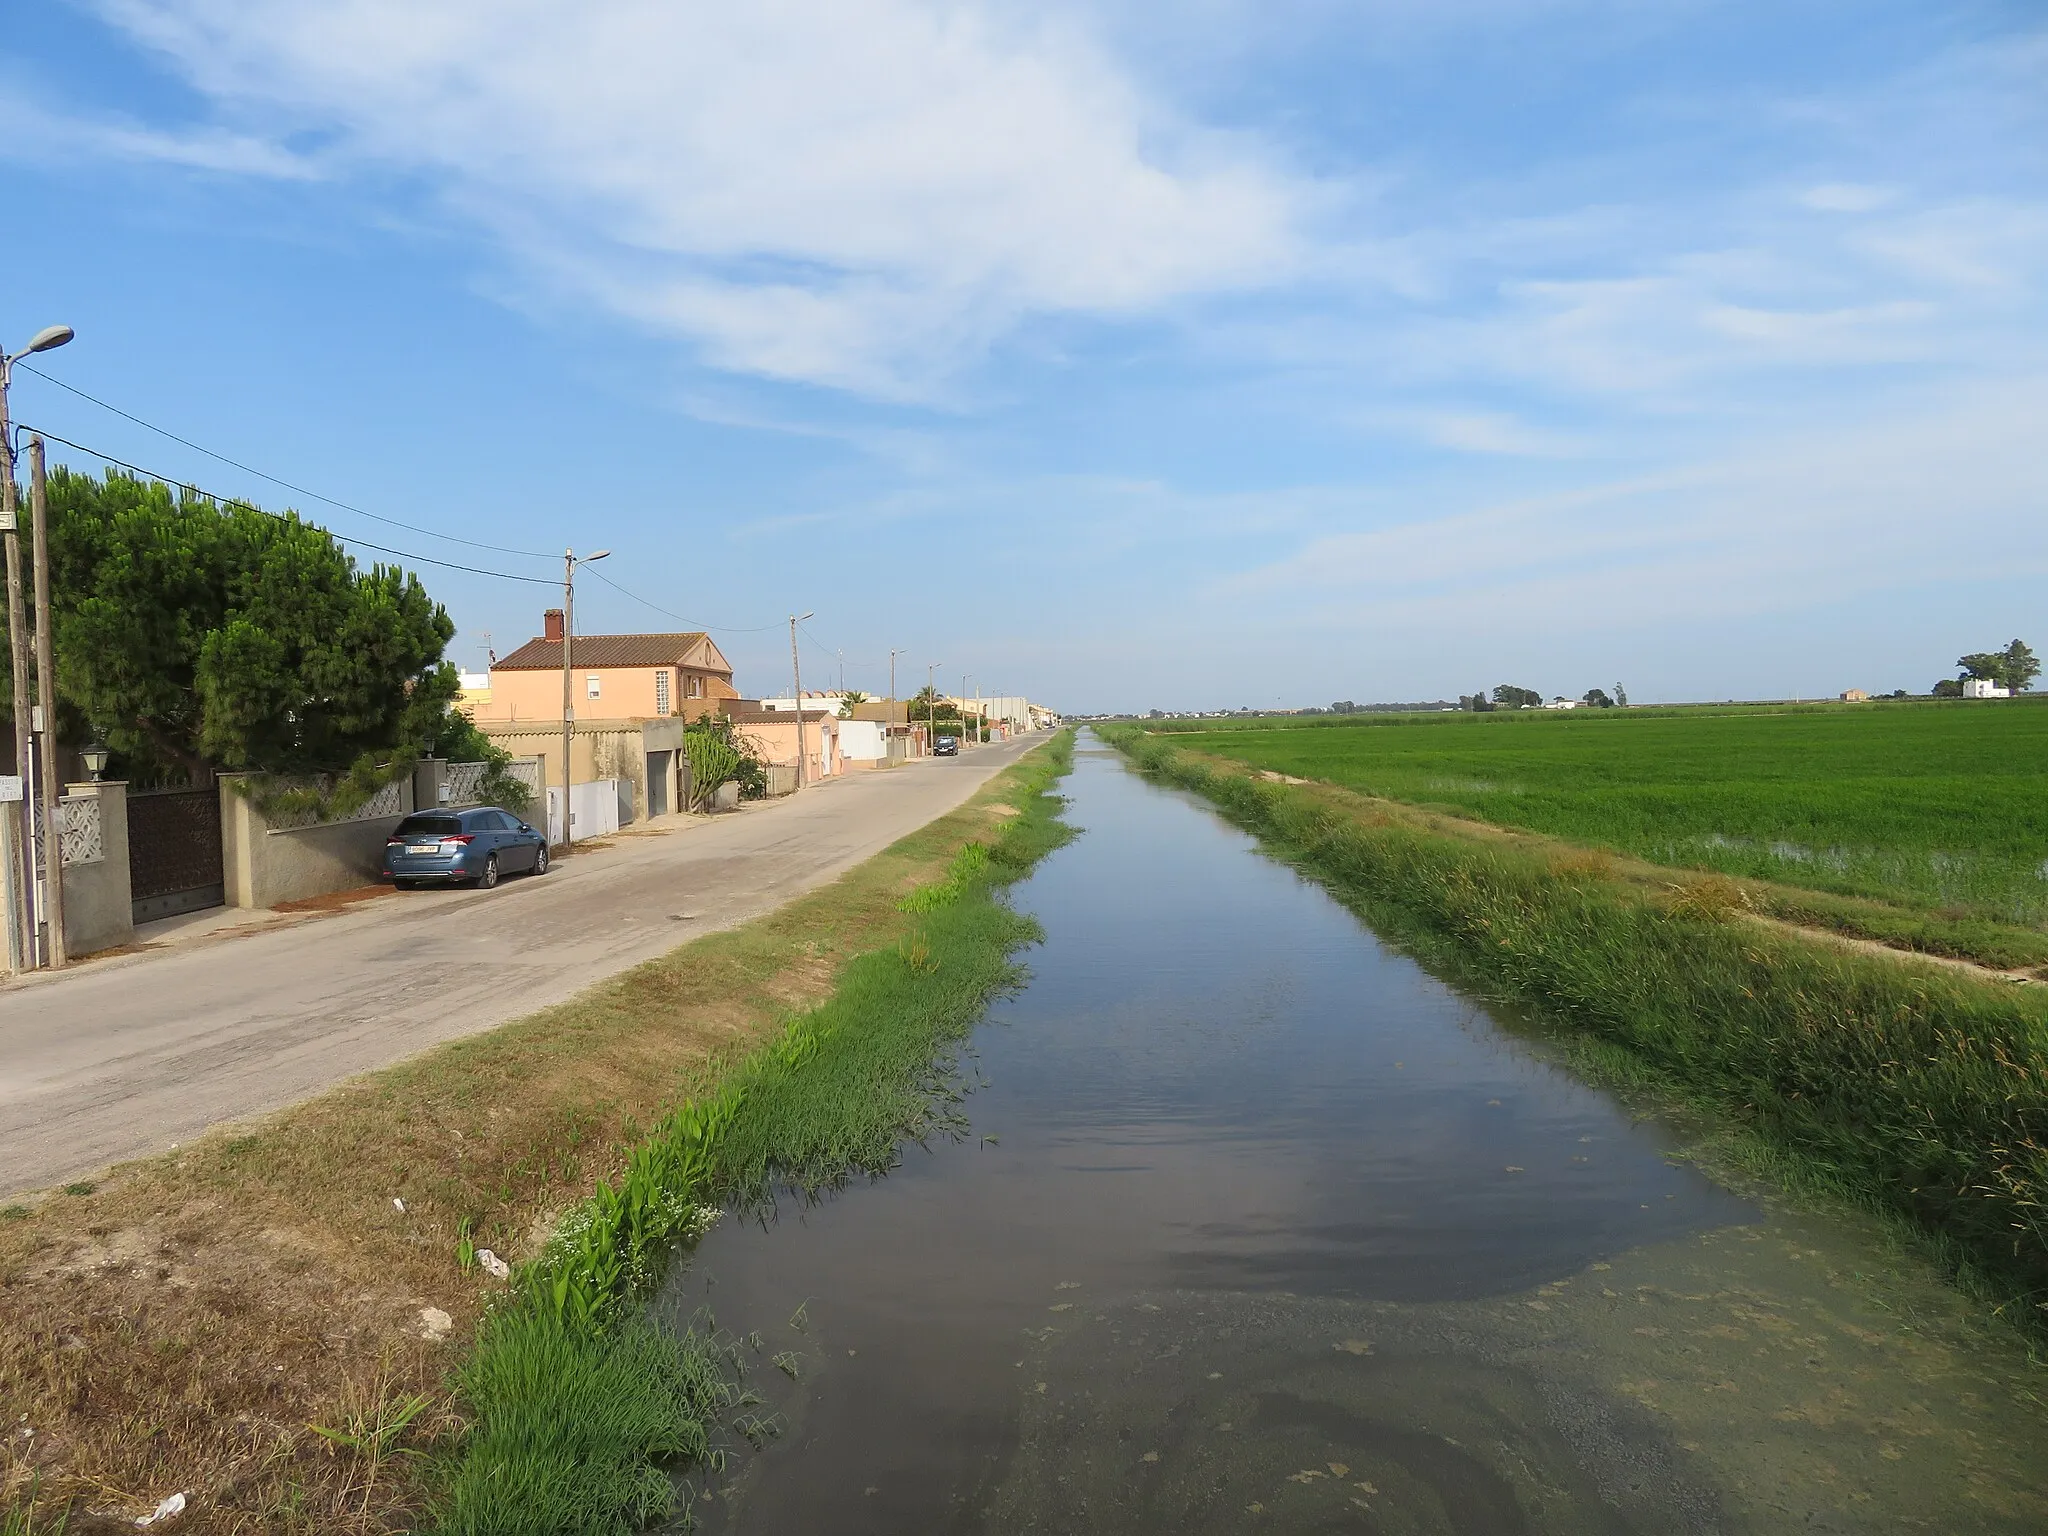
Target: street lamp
[[45, 340], [570, 560], [96, 757]]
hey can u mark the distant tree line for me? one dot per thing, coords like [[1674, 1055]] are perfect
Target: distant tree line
[[1511, 696]]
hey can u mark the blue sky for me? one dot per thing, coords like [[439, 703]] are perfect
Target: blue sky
[[1123, 355]]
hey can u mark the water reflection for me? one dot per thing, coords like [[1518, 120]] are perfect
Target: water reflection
[[1216, 1082]]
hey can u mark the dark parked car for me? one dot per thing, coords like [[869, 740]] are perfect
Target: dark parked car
[[475, 846], [946, 746]]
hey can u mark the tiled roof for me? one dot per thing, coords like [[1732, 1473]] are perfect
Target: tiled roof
[[602, 651], [779, 716]]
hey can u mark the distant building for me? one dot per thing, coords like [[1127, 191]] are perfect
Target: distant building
[[1984, 688], [1561, 702], [615, 677], [1853, 695]]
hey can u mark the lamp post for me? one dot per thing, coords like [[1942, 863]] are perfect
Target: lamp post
[[45, 340], [570, 560], [796, 677]]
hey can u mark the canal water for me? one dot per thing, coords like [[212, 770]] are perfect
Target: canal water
[[1262, 1227]]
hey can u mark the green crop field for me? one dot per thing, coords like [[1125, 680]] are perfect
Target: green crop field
[[1934, 806]]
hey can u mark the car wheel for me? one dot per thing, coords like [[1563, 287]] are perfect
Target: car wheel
[[489, 877], [540, 860], [405, 885]]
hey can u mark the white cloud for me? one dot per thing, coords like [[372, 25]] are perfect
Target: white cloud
[[862, 195], [1777, 526], [28, 129]]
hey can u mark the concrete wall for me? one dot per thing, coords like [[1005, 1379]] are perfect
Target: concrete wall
[[774, 743], [263, 866], [604, 749], [98, 913]]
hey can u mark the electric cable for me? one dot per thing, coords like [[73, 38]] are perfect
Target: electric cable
[[243, 501], [246, 469], [723, 629]]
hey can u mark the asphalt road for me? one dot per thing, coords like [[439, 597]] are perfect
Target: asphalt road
[[126, 1056]]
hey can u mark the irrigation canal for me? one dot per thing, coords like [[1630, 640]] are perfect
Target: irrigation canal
[[1261, 1227]]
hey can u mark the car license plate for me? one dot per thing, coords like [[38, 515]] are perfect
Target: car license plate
[[422, 847]]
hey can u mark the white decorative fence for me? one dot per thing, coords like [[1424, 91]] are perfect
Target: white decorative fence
[[394, 799], [81, 833], [463, 783]]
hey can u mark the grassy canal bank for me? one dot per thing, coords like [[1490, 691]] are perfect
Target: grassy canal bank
[[1923, 825], [278, 1323], [1912, 1089]]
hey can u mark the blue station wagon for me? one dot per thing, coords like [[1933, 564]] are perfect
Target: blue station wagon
[[473, 847]]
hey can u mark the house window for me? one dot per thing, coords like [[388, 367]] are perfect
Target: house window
[[661, 692], [695, 686], [593, 685]]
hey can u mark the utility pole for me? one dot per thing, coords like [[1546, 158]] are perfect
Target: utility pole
[[46, 692], [842, 671], [931, 706], [893, 654], [796, 677], [45, 340], [24, 872], [568, 687], [569, 564]]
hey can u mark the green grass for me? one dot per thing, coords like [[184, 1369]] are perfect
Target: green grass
[[1937, 806], [576, 1403], [1915, 1091]]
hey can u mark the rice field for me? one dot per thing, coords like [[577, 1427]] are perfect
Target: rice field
[[1937, 807]]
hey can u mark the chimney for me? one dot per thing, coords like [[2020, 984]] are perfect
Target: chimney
[[551, 625]]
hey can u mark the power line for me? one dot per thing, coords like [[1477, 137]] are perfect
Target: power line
[[246, 469], [242, 501], [723, 629]]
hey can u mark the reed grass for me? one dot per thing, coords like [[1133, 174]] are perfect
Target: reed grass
[[577, 1404], [1918, 1091]]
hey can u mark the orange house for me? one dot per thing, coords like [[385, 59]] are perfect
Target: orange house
[[612, 677]]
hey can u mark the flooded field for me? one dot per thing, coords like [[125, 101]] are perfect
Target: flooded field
[[1259, 1226]]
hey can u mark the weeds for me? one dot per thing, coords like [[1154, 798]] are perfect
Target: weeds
[[375, 1424]]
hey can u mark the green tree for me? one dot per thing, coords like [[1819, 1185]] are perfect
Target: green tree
[[1511, 697], [1620, 697], [192, 636], [852, 697], [2015, 667], [1947, 688], [1597, 697]]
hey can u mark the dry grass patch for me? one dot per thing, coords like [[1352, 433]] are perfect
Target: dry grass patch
[[243, 1320]]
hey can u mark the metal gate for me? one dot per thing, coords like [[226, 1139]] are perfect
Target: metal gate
[[174, 853]]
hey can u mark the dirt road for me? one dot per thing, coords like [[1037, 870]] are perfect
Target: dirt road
[[127, 1056]]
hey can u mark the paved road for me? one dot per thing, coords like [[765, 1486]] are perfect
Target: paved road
[[126, 1056]]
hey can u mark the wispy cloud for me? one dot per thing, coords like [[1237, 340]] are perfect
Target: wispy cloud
[[862, 196]]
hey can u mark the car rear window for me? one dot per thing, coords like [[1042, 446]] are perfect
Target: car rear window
[[428, 826]]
